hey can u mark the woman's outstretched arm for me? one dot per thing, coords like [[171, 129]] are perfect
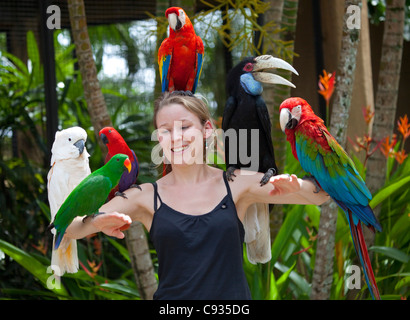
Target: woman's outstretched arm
[[116, 215], [284, 188]]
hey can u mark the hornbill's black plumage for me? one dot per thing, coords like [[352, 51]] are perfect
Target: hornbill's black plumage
[[252, 149]]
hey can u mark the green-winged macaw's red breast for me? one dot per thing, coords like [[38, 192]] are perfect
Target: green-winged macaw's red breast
[[321, 156], [180, 56]]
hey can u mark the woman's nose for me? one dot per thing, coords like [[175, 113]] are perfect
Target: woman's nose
[[176, 133]]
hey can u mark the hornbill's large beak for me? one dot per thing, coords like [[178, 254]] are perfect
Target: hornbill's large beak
[[267, 62]]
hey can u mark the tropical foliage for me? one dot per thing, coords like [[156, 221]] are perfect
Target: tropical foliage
[[105, 270]]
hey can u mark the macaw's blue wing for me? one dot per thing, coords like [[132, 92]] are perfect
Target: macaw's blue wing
[[164, 66], [199, 59], [336, 174]]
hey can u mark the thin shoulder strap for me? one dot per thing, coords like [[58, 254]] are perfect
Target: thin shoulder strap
[[156, 195], [228, 189]]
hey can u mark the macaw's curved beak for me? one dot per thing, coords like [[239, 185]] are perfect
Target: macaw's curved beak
[[127, 164], [80, 144], [286, 120], [267, 62]]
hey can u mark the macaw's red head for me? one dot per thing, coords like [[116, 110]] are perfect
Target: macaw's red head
[[109, 135], [177, 18], [293, 112]]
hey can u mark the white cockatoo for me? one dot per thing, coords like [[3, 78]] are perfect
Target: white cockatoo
[[69, 166]]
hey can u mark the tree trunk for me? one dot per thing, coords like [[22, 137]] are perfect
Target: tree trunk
[[386, 96], [97, 108], [100, 118], [323, 271], [141, 260], [284, 12]]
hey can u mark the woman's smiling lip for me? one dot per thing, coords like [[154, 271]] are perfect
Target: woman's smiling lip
[[180, 149]]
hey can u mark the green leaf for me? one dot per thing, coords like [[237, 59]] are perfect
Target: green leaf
[[121, 249], [388, 191], [392, 253], [120, 289], [284, 277], [32, 265], [286, 231]]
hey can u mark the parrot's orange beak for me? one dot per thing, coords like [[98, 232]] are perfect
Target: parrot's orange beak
[[127, 164]]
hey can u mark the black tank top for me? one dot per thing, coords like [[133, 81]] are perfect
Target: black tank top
[[199, 256]]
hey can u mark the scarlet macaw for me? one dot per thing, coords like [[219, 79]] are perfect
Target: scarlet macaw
[[180, 56], [245, 111], [116, 144], [321, 156]]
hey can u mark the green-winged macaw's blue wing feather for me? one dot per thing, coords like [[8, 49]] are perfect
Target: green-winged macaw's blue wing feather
[[336, 174]]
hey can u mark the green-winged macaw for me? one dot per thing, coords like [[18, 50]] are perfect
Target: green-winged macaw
[[181, 55], [322, 157]]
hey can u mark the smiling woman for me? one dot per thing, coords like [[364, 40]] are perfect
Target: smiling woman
[[194, 215], [184, 125]]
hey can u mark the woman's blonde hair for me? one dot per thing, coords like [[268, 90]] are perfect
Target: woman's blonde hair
[[193, 103]]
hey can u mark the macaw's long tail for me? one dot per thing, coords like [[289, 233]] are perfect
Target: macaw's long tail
[[361, 251]]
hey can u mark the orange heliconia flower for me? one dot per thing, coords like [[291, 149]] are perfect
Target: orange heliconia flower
[[404, 127], [387, 147], [368, 114], [400, 156], [93, 266], [327, 85], [42, 247]]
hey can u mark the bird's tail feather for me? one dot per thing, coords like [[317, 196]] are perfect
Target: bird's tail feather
[[65, 258], [361, 251], [58, 238], [257, 233]]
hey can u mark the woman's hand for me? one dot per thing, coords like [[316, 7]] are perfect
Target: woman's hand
[[284, 184], [112, 223]]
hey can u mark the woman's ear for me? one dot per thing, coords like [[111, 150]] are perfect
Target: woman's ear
[[208, 129]]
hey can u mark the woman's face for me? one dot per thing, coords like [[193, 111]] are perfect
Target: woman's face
[[181, 135]]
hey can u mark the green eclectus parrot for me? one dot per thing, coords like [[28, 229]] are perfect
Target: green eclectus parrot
[[89, 195], [322, 157], [244, 115], [180, 56], [69, 166]]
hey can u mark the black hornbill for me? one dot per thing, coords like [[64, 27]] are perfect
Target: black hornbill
[[250, 148]]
